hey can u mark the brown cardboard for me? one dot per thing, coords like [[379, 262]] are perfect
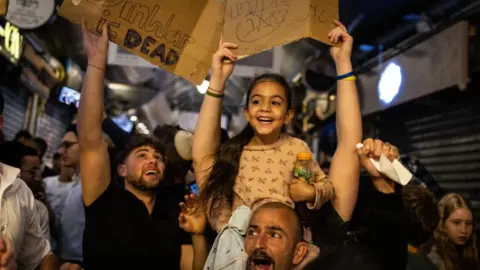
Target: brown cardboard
[[3, 7], [180, 36], [258, 25]]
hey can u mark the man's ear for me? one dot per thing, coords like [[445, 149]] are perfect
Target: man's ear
[[300, 252], [289, 117], [122, 170]]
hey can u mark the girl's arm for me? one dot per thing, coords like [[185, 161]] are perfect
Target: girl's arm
[[206, 139]]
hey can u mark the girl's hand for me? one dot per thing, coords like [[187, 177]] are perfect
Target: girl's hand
[[342, 50], [223, 62], [301, 191], [96, 47], [191, 219]]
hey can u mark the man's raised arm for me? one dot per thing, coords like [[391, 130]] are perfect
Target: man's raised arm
[[94, 159]]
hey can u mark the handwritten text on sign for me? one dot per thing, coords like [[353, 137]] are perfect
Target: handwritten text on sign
[[258, 18], [258, 25], [163, 43]]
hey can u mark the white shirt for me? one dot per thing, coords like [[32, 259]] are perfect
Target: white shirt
[[65, 200], [44, 217], [20, 221], [73, 224]]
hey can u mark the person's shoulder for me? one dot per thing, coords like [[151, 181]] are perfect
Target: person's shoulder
[[41, 208], [113, 196], [296, 142], [22, 190], [51, 179]]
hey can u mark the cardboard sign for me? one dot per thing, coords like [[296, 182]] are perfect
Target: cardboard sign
[[3, 7], [179, 36], [258, 25]]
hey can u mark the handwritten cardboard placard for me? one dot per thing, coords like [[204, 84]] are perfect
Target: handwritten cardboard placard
[[258, 25], [3, 7], [179, 36]]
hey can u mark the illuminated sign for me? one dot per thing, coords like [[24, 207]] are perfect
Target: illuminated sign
[[390, 82], [11, 42]]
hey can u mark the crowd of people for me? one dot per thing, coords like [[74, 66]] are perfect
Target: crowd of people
[[126, 203]]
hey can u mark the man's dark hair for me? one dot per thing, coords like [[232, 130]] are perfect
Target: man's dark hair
[[139, 141], [422, 213], [2, 103], [343, 258], [42, 146], [57, 156], [296, 219], [12, 153], [22, 134]]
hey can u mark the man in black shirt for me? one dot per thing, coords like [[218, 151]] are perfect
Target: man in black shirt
[[125, 227]]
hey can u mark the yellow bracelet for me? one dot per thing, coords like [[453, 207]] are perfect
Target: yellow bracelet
[[351, 78]]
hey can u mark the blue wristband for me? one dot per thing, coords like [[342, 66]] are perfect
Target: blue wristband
[[340, 77]]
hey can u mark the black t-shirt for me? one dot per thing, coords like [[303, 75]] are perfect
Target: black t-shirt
[[418, 261], [120, 234]]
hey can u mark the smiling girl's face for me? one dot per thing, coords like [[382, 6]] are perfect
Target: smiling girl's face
[[268, 111]]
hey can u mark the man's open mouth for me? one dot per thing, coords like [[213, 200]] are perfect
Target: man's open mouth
[[261, 261]]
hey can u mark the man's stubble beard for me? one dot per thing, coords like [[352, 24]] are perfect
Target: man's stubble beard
[[142, 184]]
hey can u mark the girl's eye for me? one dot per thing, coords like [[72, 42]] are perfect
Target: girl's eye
[[276, 103], [255, 102]]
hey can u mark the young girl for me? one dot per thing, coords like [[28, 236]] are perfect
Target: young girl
[[455, 240], [255, 167]]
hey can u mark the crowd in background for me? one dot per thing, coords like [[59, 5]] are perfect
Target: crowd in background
[[176, 200]]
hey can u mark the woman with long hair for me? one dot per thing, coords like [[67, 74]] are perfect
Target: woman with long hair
[[455, 243]]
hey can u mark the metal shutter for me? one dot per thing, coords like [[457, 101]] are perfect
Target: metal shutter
[[443, 131], [14, 112], [51, 126]]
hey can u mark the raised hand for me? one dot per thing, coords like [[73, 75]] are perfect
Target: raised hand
[[223, 62], [7, 256], [301, 191], [191, 218], [341, 51], [96, 47], [373, 149]]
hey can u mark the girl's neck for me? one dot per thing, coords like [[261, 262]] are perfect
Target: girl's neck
[[264, 140]]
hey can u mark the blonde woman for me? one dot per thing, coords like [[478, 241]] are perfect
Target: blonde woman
[[455, 240]]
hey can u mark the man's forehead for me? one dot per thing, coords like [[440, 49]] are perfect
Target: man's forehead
[[146, 148], [31, 160], [267, 217]]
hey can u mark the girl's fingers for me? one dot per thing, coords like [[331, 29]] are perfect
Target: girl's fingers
[[228, 54], [229, 45], [105, 30], [183, 207], [339, 24]]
